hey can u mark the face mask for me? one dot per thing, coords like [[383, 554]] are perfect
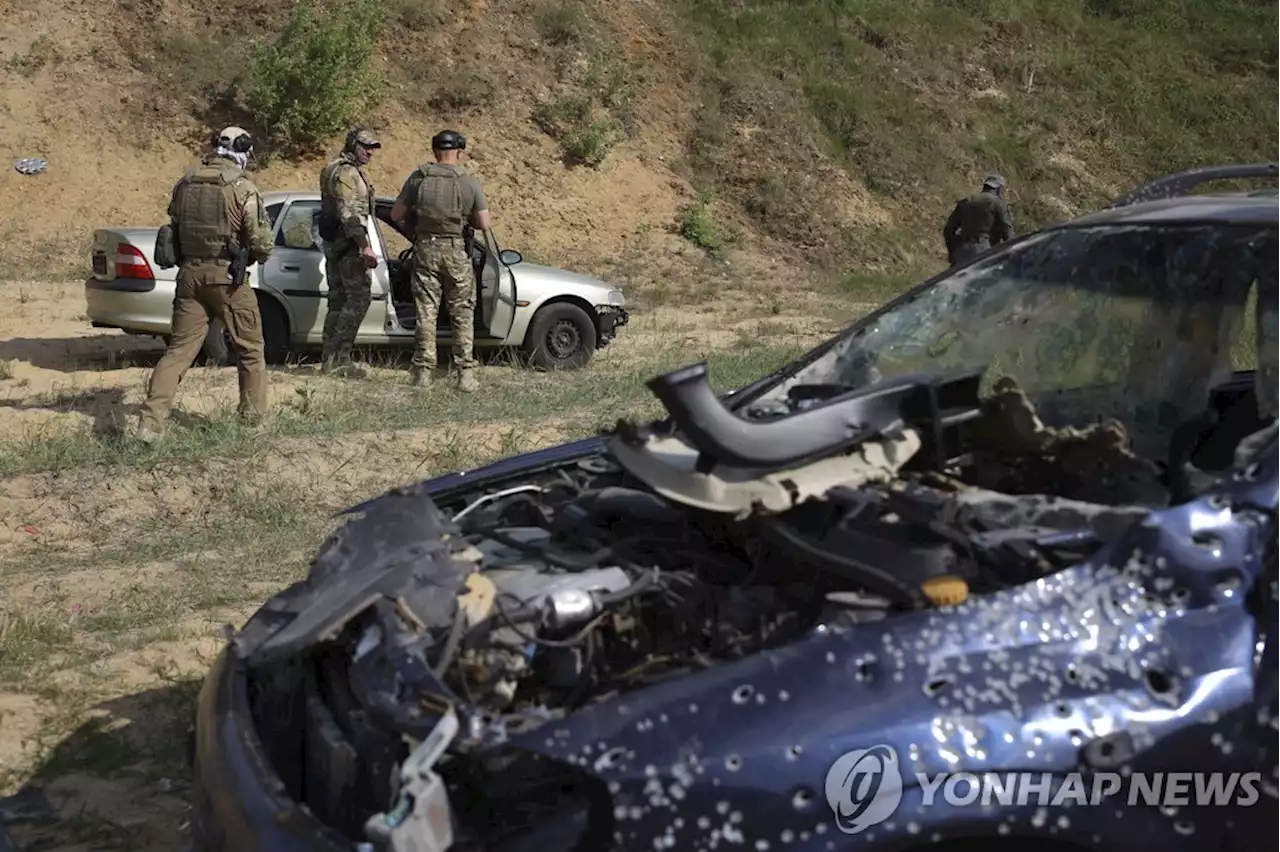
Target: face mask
[[241, 160]]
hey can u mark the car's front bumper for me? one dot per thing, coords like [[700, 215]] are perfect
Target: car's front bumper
[[609, 318], [134, 305], [238, 801]]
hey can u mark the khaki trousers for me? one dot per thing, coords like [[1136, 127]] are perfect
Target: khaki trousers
[[442, 271], [202, 294]]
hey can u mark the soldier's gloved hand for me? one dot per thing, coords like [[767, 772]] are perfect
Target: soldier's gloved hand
[[370, 259]]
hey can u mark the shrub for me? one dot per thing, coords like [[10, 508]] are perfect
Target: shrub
[[315, 78], [698, 227]]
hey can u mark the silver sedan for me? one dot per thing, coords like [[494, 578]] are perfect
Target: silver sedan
[[556, 318]]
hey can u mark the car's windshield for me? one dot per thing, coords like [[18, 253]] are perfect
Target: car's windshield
[[1124, 321]]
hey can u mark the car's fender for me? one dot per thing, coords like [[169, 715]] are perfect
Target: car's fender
[[537, 286]]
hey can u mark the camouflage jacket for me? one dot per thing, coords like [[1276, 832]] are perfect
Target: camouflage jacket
[[215, 208], [983, 218], [346, 195]]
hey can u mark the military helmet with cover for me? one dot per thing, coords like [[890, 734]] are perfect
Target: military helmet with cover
[[993, 181]]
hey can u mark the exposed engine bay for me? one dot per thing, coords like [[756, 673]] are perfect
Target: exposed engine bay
[[674, 553]]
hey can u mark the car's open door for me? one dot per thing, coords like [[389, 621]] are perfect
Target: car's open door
[[497, 287]]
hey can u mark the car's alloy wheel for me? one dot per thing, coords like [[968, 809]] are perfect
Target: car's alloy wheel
[[562, 336]]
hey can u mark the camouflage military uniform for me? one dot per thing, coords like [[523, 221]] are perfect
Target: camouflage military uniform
[[347, 201], [977, 223], [443, 198], [214, 209]]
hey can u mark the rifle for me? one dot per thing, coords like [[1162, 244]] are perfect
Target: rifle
[[239, 270]]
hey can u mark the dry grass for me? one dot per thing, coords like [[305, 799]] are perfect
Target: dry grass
[[122, 562]]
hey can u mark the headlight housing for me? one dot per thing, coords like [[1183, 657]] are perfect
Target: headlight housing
[[616, 298]]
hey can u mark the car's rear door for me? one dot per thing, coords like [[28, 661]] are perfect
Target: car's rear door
[[296, 269]]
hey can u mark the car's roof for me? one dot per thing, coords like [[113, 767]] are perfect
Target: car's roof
[[1242, 208], [280, 196]]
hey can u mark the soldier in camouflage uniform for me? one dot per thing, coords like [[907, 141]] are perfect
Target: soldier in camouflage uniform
[[978, 222], [346, 203], [214, 211], [443, 198]]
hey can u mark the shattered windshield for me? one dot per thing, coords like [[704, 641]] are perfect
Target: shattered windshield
[[1134, 322]]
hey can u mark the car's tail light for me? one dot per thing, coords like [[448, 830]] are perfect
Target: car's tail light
[[132, 263]]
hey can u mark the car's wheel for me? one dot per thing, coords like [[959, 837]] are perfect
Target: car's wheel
[[561, 337], [218, 351]]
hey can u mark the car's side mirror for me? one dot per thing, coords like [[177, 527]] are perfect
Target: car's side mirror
[[510, 257]]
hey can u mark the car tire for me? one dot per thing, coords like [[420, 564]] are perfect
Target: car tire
[[217, 350], [561, 337]]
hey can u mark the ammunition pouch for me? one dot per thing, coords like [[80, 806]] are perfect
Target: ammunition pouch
[[167, 253], [329, 228]]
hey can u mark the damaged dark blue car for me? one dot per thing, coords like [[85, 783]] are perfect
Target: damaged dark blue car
[[995, 566]]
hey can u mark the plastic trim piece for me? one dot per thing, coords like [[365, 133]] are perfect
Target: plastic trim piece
[[720, 435]]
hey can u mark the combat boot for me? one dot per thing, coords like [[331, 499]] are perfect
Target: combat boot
[[145, 434], [467, 381], [420, 377], [343, 368]]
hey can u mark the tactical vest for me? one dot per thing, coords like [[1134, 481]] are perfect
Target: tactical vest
[[204, 229], [327, 202], [439, 209], [977, 216], [329, 224]]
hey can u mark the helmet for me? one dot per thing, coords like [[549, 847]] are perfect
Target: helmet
[[361, 136], [235, 139], [993, 181], [448, 140]]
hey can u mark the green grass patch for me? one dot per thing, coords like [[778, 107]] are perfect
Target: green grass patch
[[1073, 101]]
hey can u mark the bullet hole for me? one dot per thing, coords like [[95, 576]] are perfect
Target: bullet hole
[[1185, 828], [1180, 595], [936, 685], [733, 763], [611, 759], [1208, 541], [1063, 709], [743, 694], [802, 799], [1159, 683], [1228, 582], [865, 670], [793, 752], [1072, 674], [1110, 751]]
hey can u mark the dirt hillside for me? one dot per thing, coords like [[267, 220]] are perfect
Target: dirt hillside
[[828, 136], [117, 103]]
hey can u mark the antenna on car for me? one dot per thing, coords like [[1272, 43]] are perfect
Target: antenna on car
[[1181, 183]]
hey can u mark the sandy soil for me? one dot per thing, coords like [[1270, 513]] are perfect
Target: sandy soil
[[58, 371]]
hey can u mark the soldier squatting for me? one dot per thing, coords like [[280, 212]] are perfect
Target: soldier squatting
[[218, 226]]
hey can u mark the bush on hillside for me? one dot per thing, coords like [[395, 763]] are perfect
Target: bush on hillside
[[315, 78]]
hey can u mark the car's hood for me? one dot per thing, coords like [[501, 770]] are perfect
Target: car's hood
[[526, 272]]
